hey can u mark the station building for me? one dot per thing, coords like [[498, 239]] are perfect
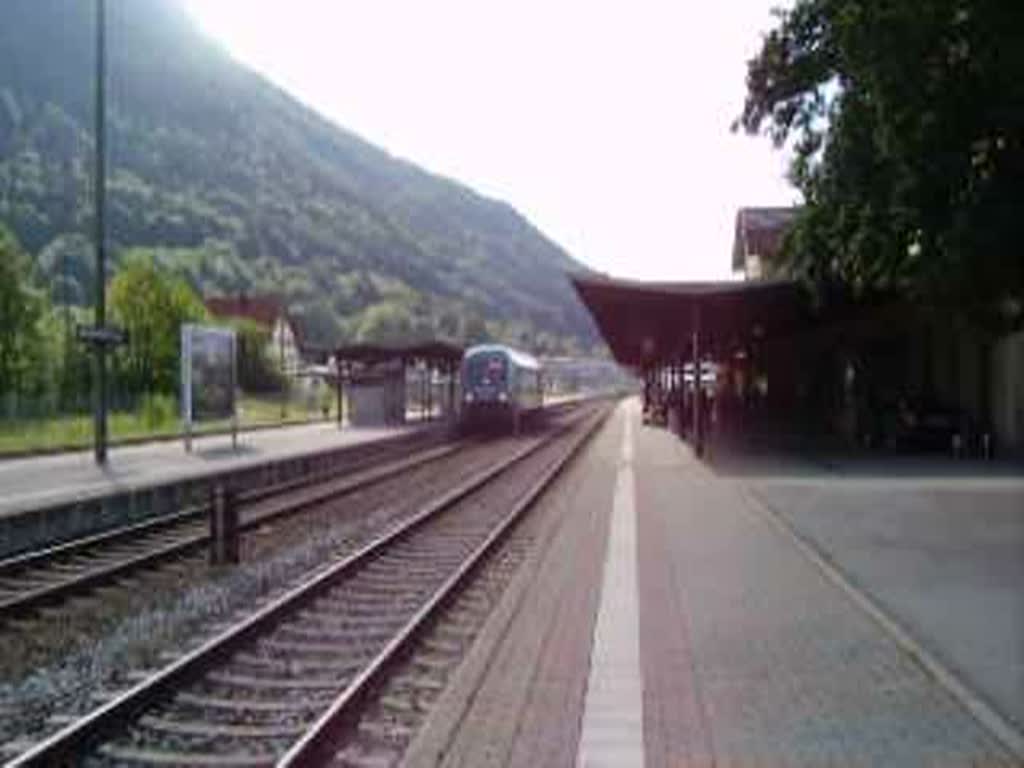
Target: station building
[[775, 368]]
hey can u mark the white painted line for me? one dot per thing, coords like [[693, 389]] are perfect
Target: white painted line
[[612, 733]]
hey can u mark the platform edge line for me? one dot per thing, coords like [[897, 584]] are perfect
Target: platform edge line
[[622, 527], [998, 726]]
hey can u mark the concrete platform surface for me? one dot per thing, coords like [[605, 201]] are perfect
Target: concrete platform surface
[[943, 558], [44, 481], [737, 649]]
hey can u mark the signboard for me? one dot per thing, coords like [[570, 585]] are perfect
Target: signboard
[[208, 377], [109, 336]]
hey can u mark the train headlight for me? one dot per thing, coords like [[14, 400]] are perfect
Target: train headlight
[[469, 397], [502, 397]]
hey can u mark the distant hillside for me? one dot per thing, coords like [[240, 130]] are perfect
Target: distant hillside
[[240, 187]]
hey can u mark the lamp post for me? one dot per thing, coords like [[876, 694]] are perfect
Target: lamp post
[[284, 373], [100, 336], [101, 255]]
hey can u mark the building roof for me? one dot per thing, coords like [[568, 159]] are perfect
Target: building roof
[[760, 231], [264, 310], [651, 323], [434, 352]]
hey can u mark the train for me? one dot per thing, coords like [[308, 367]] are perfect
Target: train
[[502, 387]]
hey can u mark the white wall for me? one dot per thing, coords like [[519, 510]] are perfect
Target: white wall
[[283, 340]]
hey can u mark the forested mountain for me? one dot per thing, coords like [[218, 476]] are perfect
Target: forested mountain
[[226, 179]]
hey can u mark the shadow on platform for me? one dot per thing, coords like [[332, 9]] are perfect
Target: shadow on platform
[[215, 453], [803, 457]]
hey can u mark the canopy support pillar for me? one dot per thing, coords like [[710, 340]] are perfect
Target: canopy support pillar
[[698, 427]]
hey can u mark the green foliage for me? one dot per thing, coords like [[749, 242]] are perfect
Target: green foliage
[[66, 381], [22, 353], [257, 372], [319, 323], [474, 331], [151, 306], [385, 323], [907, 121], [157, 416], [68, 265]]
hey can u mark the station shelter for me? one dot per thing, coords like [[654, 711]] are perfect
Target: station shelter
[[758, 358], [384, 385], [705, 351]]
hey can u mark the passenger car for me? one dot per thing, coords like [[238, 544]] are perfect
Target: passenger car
[[500, 387]]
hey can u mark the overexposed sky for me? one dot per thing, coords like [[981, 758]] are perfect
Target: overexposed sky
[[605, 122]]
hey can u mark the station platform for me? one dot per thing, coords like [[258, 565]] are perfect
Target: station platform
[[50, 498], [679, 614], [32, 483]]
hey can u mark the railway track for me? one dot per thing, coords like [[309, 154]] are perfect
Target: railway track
[[281, 684], [45, 577]]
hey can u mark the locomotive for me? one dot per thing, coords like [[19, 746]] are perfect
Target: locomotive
[[501, 387]]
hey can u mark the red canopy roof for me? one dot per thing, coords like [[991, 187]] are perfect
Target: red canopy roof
[[647, 323], [433, 352], [264, 310]]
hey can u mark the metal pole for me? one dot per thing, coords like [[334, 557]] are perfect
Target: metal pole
[[337, 371], [64, 387], [429, 385], [451, 389], [647, 388], [224, 533], [70, 198], [698, 431], [234, 392], [186, 384], [284, 376], [101, 255]]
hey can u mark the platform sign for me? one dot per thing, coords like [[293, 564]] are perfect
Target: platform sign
[[208, 377], [109, 336]]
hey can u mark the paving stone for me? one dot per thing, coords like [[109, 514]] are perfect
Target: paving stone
[[517, 699], [783, 666]]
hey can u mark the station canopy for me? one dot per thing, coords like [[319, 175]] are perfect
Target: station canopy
[[652, 323], [436, 354]]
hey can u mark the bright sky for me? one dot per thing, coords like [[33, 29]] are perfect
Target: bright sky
[[605, 122]]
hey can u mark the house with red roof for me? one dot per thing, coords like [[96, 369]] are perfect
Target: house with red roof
[[271, 314]]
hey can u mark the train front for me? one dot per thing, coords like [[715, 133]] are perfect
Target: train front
[[486, 395]]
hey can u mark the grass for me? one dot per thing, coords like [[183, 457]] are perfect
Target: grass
[[157, 418]]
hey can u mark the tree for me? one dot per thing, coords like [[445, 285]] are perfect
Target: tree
[[69, 362], [907, 121], [257, 372], [385, 323], [448, 324], [319, 325], [21, 308], [474, 329], [68, 265], [152, 306]]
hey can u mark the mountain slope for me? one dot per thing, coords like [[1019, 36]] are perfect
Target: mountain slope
[[241, 187]]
